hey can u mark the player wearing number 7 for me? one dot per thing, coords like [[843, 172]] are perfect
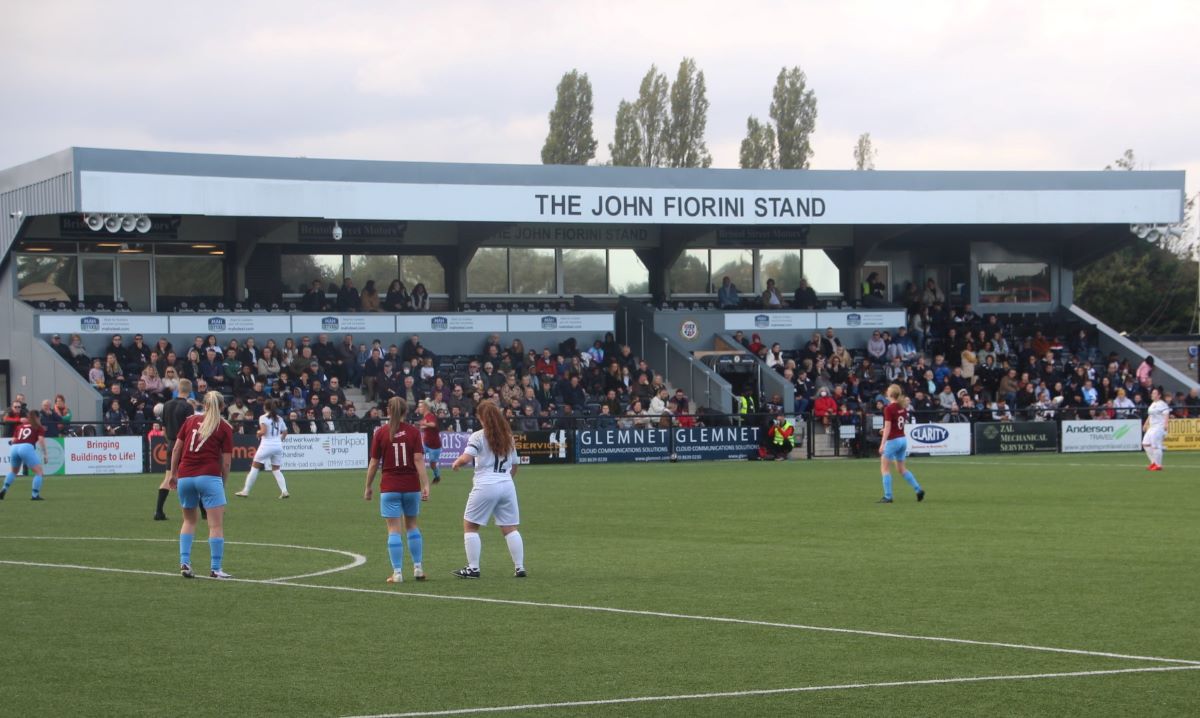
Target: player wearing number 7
[[493, 494], [396, 448], [894, 444]]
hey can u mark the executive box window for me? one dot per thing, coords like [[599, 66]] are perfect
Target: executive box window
[[46, 277], [626, 273], [737, 264], [1014, 282], [188, 278], [299, 270], [691, 273]]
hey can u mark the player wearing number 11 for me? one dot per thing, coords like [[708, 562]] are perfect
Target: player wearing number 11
[[396, 448], [894, 444]]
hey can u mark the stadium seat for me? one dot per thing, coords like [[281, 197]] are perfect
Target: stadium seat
[[120, 306]]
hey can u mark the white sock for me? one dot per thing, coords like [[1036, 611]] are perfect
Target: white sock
[[1158, 454], [474, 548], [280, 480], [1149, 453], [516, 549], [250, 479]]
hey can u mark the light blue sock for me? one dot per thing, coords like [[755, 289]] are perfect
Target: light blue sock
[[396, 551], [37, 484], [887, 486], [216, 549], [912, 480], [185, 548], [415, 545], [11, 477], [437, 472]]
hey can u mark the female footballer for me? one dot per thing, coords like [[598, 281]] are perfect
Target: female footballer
[[28, 437], [396, 448], [199, 469], [893, 447], [272, 430]]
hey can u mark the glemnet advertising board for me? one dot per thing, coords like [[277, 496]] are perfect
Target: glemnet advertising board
[[939, 439], [1015, 437], [710, 443], [602, 446], [1116, 435]]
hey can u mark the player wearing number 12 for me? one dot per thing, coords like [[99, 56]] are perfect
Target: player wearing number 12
[[396, 448], [493, 494], [894, 445]]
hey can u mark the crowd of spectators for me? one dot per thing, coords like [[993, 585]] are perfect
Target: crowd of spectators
[[957, 365], [554, 388], [348, 299]]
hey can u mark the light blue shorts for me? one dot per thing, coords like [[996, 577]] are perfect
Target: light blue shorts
[[23, 455], [207, 491], [896, 449], [432, 456], [397, 504]]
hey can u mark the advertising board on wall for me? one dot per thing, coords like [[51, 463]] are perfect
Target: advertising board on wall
[[1182, 435], [856, 318], [1116, 435], [450, 323], [601, 446], [102, 324], [102, 455], [344, 323], [231, 324], [1015, 437], [708, 443], [544, 447], [55, 461], [600, 322], [939, 439], [769, 320]]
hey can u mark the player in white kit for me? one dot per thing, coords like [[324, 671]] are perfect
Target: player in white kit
[[272, 430], [1154, 429], [493, 493]]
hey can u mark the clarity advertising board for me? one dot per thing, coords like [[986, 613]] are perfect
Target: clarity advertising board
[[1116, 435], [939, 439]]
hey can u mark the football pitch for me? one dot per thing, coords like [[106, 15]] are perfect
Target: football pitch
[[1042, 585]]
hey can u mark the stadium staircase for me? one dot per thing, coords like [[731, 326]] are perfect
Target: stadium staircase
[[1171, 365]]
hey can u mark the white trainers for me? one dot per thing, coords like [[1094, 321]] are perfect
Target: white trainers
[[285, 495], [243, 494], [218, 574], [396, 577], [185, 570], [418, 573]]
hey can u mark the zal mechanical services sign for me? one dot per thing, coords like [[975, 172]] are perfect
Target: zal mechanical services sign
[[560, 322], [544, 447], [102, 324], [231, 324], [1116, 435], [939, 439], [451, 323], [1015, 437], [770, 320], [344, 323]]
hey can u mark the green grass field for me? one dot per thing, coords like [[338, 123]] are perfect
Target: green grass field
[[1088, 553]]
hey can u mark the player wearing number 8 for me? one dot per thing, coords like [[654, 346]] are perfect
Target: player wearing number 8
[[493, 494], [396, 448], [894, 445]]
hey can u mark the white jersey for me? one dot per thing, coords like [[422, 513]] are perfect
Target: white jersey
[[489, 468], [273, 431], [1158, 414]]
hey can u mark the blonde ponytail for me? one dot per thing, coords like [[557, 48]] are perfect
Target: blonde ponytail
[[213, 404]]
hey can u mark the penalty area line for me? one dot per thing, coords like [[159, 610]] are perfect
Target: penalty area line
[[777, 691], [652, 614]]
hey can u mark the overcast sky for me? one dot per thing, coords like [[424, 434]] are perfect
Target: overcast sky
[[939, 85]]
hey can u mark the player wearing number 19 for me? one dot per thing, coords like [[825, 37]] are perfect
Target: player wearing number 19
[[493, 494], [396, 448], [893, 446], [27, 437]]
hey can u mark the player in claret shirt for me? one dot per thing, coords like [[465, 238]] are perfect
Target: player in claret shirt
[[894, 444], [431, 438], [199, 469], [28, 436], [396, 448]]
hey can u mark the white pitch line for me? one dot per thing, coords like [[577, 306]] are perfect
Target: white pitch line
[[776, 691], [356, 559], [653, 614]]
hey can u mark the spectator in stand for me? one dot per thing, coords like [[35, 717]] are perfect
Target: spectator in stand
[[1145, 374], [876, 347], [968, 360], [250, 354], [372, 375], [314, 299], [113, 374], [50, 420], [605, 420], [61, 349], [780, 437], [409, 352], [658, 403], [756, 344], [369, 298], [397, 299], [348, 299], [419, 301], [327, 425], [96, 375], [902, 346], [825, 407], [775, 357], [267, 366], [116, 422], [872, 287], [727, 294], [79, 355], [596, 352], [932, 295], [771, 297], [805, 297]]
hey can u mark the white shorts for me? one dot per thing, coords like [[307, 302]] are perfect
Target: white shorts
[[269, 456], [1154, 438], [498, 500]]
